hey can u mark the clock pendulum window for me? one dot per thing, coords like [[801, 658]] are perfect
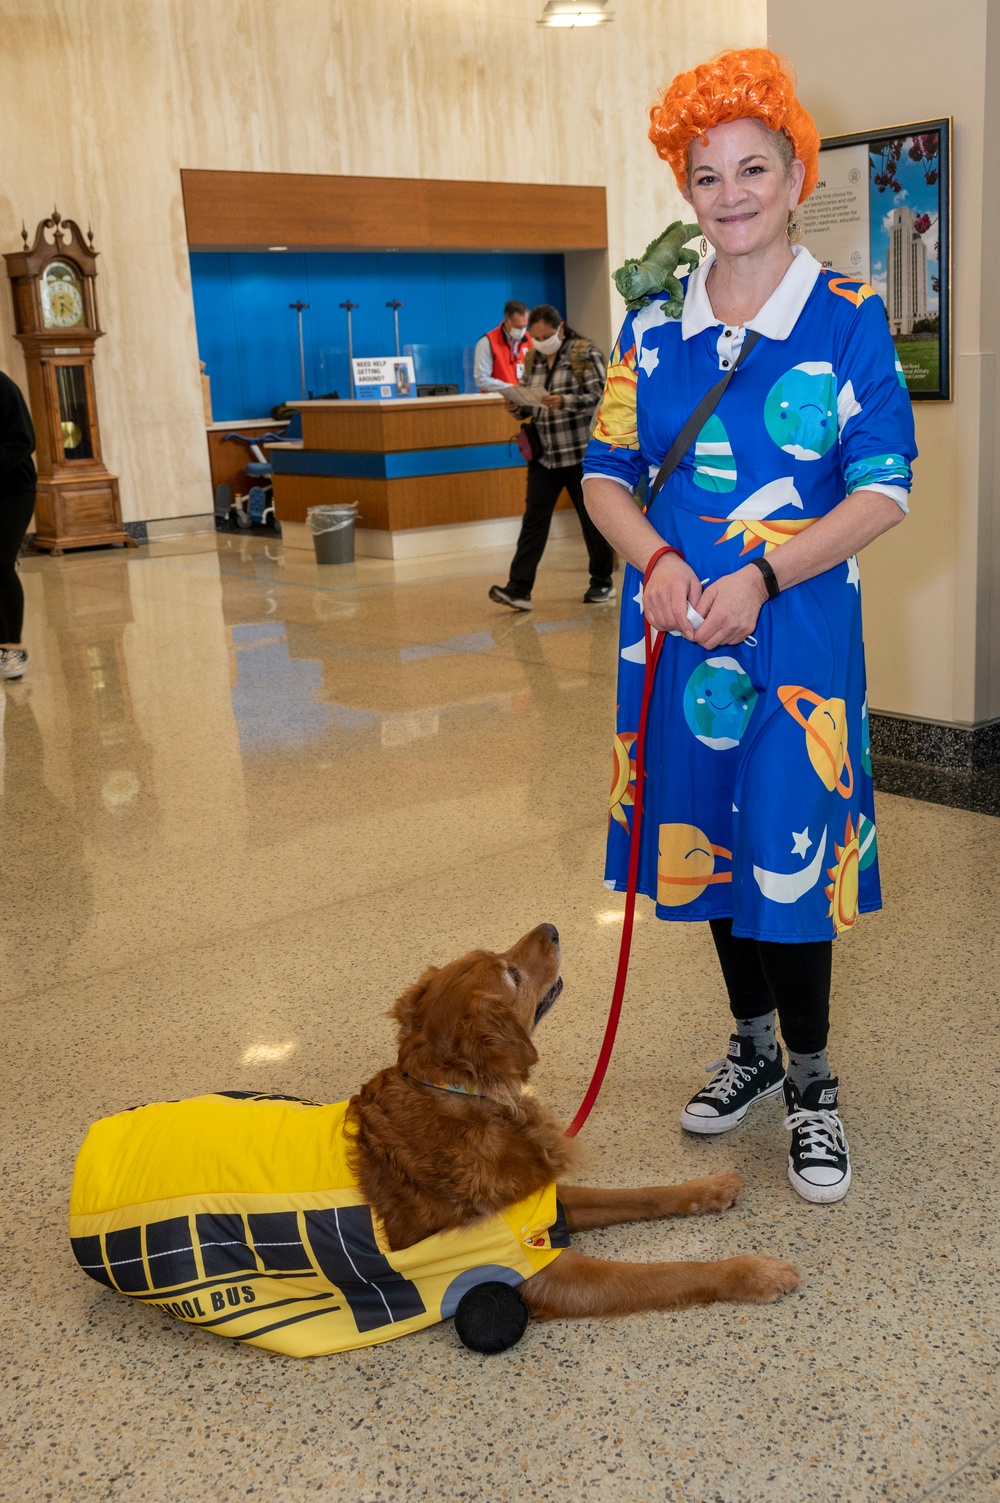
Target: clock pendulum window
[[56, 323]]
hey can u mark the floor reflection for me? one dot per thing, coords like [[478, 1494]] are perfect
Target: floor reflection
[[46, 885], [275, 697]]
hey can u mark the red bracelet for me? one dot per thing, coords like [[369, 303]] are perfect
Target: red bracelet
[[667, 548]]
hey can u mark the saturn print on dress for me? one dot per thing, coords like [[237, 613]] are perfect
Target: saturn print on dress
[[758, 792]]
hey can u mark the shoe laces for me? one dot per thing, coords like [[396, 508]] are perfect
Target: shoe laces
[[821, 1133], [730, 1075]]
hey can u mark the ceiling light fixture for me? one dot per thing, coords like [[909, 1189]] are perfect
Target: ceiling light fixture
[[575, 13], [277, 247]]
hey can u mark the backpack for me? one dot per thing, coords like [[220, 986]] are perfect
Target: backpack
[[579, 351]]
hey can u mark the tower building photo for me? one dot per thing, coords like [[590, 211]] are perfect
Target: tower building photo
[[906, 272]]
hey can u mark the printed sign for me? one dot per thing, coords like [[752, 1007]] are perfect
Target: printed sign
[[879, 214], [384, 380]]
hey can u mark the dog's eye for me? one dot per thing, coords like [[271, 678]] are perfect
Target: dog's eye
[[514, 974]]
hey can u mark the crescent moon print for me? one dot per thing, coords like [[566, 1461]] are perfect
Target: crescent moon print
[[751, 517], [826, 736], [788, 887]]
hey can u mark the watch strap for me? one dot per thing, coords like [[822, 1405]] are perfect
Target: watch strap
[[770, 578]]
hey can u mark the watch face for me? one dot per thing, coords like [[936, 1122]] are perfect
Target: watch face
[[62, 296]]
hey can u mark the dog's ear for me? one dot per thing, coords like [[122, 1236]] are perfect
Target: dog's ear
[[496, 1045], [406, 1007]]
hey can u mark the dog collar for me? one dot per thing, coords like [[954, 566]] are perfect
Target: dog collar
[[456, 1090]]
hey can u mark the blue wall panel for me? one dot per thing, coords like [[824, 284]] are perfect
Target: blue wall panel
[[248, 336]]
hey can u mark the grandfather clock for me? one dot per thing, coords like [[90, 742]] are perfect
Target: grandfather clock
[[55, 318]]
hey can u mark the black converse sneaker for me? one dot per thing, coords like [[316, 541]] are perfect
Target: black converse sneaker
[[819, 1165], [737, 1082]]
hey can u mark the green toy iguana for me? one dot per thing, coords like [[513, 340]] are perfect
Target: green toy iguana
[[637, 281]]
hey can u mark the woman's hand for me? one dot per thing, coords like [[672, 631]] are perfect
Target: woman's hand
[[553, 400], [665, 598], [510, 406], [730, 607]]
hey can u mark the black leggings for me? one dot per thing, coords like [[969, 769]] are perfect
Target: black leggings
[[761, 976], [544, 489], [15, 514]]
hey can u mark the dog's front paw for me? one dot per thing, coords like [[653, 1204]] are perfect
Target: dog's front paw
[[714, 1193], [760, 1280]]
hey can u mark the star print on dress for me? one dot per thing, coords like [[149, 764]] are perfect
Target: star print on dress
[[760, 749], [848, 405]]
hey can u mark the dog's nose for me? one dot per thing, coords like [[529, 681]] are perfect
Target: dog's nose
[[551, 931]]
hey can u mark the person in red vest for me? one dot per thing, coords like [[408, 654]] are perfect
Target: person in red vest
[[500, 353]]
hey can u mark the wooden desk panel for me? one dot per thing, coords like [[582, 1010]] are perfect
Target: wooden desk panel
[[390, 428], [228, 462], [235, 209], [425, 501]]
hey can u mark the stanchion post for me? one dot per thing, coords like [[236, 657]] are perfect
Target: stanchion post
[[299, 306], [395, 305], [350, 307]]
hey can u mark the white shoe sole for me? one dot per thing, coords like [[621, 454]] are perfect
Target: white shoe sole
[[820, 1195], [733, 1119], [511, 601]]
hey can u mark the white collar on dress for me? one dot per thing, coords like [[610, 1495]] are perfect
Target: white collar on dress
[[776, 319]]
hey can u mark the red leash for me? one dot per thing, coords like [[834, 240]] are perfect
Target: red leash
[[618, 995]]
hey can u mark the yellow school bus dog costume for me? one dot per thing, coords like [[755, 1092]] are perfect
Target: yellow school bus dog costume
[[239, 1213]]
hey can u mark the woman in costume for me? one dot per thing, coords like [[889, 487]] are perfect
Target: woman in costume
[[758, 804]]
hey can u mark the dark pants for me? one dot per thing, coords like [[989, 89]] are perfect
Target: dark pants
[[15, 514], [761, 976], [544, 489]]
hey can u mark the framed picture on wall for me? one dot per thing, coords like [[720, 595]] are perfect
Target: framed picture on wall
[[881, 214]]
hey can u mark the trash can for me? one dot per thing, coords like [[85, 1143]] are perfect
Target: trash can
[[332, 529]]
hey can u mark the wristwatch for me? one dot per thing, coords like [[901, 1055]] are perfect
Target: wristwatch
[[770, 578]]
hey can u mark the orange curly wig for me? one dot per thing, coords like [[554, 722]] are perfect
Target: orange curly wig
[[754, 84]]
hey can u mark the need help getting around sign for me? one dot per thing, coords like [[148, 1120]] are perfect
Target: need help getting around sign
[[384, 380]]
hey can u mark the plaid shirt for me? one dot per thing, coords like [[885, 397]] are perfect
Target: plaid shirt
[[565, 431]]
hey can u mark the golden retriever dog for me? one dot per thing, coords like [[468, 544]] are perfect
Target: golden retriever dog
[[309, 1228], [449, 1136]]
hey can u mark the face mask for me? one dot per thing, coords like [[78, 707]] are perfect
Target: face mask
[[548, 346], [516, 335]]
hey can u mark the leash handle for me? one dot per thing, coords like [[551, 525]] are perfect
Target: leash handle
[[653, 650]]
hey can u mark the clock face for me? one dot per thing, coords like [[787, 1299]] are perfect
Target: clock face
[[62, 296]]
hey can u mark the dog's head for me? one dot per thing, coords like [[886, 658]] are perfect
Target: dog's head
[[469, 1024]]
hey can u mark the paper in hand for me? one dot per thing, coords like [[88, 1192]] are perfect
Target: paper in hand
[[523, 396]]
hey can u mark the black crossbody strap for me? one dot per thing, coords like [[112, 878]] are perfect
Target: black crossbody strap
[[698, 419]]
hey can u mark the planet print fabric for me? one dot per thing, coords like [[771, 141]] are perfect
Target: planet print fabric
[[759, 800]]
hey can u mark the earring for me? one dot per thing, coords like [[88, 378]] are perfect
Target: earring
[[704, 247], [792, 231]]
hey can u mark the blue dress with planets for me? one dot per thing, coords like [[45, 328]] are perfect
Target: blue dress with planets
[[759, 802]]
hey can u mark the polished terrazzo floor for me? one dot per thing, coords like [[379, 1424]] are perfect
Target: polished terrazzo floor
[[244, 801]]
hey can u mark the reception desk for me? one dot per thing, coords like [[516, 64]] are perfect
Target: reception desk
[[429, 475]]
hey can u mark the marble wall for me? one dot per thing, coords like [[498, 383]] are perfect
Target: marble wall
[[104, 103]]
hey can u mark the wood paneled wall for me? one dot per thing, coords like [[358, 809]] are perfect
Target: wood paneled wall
[[401, 89], [320, 209]]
